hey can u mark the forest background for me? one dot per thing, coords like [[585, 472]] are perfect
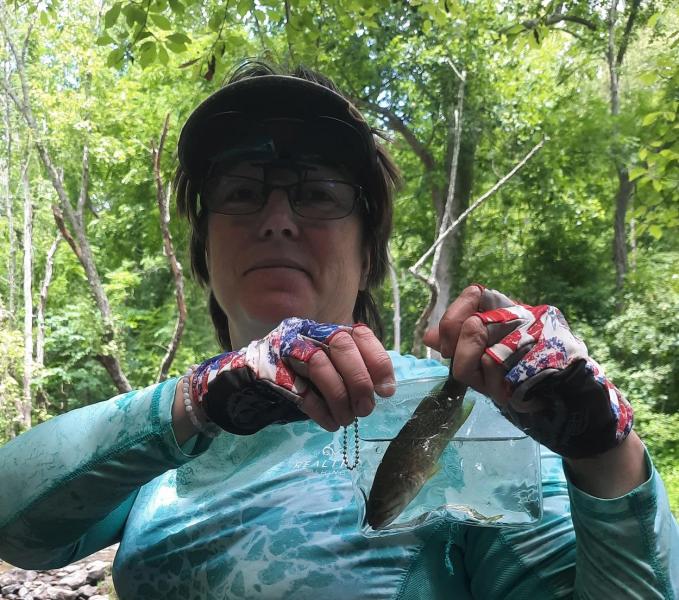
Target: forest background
[[93, 300]]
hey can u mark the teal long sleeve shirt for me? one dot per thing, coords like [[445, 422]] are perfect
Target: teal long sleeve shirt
[[272, 516]]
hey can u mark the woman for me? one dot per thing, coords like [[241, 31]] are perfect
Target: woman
[[212, 482]]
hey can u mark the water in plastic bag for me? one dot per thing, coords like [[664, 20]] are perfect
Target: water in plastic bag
[[489, 473]]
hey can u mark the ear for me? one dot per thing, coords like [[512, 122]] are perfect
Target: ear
[[365, 269]]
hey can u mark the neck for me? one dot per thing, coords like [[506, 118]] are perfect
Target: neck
[[241, 334]]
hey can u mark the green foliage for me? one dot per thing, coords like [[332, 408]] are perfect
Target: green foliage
[[639, 350]]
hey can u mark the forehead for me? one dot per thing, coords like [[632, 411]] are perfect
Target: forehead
[[307, 169]]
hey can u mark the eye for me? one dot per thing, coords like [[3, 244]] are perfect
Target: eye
[[318, 192], [241, 191], [236, 195]]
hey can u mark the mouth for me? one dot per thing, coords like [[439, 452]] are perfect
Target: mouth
[[275, 264]]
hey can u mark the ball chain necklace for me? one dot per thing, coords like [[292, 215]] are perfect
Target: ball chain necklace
[[345, 447]]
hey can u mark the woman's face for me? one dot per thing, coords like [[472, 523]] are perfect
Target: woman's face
[[274, 264]]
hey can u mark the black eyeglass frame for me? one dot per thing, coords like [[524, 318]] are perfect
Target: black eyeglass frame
[[359, 197]]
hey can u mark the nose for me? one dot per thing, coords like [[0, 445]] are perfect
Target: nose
[[277, 218]]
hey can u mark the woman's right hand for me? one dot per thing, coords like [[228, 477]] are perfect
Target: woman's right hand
[[301, 369]]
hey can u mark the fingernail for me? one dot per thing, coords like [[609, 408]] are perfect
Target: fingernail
[[386, 388]]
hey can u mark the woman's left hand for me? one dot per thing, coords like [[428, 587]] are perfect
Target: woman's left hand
[[536, 371]]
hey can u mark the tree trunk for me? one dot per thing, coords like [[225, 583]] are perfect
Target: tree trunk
[[7, 191], [27, 404], [440, 273], [622, 201], [162, 199], [396, 295], [614, 58], [453, 249], [42, 304]]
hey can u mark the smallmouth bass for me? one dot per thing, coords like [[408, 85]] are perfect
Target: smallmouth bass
[[412, 456]]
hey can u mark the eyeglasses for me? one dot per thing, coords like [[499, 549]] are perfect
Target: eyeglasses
[[323, 199]]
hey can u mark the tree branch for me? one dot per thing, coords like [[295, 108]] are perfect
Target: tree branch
[[634, 11], [65, 233], [84, 185], [555, 18], [610, 57], [168, 250], [475, 205], [396, 296], [42, 304], [27, 397], [397, 123]]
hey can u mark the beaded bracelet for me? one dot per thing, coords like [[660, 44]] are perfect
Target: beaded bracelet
[[202, 425]]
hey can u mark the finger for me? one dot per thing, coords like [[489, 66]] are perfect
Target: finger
[[431, 338], [497, 388], [450, 325], [492, 299], [313, 405], [498, 331], [351, 366], [470, 346], [376, 359], [325, 376]]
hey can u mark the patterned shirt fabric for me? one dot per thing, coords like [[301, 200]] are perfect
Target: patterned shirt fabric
[[272, 515]]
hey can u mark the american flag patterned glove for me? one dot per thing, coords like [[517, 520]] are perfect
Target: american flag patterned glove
[[559, 395], [246, 390]]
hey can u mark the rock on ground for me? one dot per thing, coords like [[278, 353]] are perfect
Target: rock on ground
[[87, 579]]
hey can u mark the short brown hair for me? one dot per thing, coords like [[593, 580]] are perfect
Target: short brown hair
[[376, 220]]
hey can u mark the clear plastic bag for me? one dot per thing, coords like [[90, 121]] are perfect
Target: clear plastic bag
[[487, 474]]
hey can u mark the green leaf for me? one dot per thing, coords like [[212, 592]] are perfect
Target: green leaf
[[163, 56], [134, 14], [244, 6], [161, 21], [648, 78], [146, 46], [179, 38], [636, 172], [440, 17], [115, 57], [652, 20], [147, 54], [655, 231], [104, 40], [643, 153], [650, 118], [176, 48], [111, 15], [215, 22], [426, 26], [669, 154], [514, 29], [177, 7]]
